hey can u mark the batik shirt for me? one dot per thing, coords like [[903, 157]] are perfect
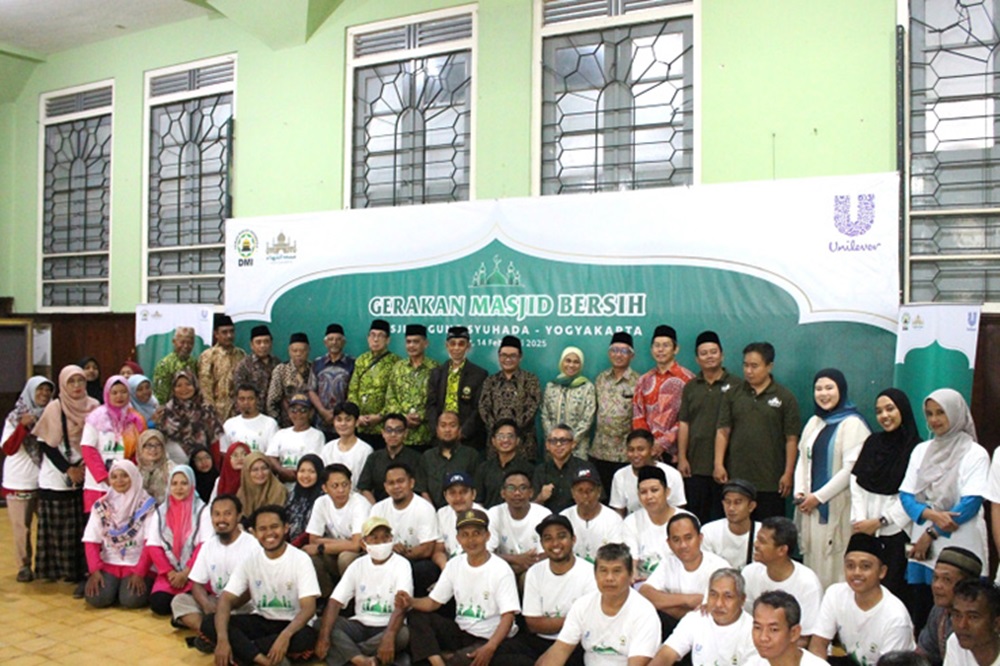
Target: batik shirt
[[285, 382], [657, 403], [369, 384], [257, 372], [215, 375], [515, 398], [332, 379], [406, 393], [163, 374], [614, 414]]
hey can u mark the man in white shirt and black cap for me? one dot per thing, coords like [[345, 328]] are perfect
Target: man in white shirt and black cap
[[732, 537]]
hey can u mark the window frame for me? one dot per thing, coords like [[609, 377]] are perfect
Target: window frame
[[540, 32], [904, 21], [43, 124], [148, 103], [353, 62]]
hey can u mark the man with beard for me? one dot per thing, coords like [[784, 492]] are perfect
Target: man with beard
[[217, 559], [371, 483], [414, 524], [550, 588], [280, 581], [448, 455]]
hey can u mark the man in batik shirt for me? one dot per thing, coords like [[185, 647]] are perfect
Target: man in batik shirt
[[409, 380], [290, 378], [512, 393], [179, 359], [333, 374], [615, 390], [256, 368], [216, 365], [657, 400], [370, 381]]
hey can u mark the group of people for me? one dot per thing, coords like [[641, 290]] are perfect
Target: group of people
[[385, 509]]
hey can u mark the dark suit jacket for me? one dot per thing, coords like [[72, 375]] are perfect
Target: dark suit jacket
[[470, 385]]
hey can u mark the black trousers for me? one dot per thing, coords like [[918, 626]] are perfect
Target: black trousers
[[769, 504], [251, 635], [704, 497], [433, 634]]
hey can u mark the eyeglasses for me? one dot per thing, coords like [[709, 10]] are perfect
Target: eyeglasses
[[620, 351], [505, 437], [298, 410], [517, 489], [394, 431], [559, 440], [510, 357]]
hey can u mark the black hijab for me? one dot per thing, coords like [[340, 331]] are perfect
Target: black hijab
[[204, 481], [884, 457], [95, 389]]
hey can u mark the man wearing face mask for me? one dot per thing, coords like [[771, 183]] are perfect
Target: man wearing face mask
[[372, 581]]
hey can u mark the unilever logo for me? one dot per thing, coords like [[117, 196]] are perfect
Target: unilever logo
[[858, 226]]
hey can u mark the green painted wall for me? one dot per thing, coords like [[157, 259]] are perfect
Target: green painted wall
[[788, 88]]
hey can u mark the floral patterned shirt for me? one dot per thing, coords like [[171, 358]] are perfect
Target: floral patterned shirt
[[614, 414]]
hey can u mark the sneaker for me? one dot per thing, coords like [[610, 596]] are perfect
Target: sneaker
[[25, 575], [201, 644]]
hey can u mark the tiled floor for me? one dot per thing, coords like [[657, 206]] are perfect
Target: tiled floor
[[41, 623]]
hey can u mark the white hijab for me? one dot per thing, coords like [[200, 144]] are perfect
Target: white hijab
[[937, 483]]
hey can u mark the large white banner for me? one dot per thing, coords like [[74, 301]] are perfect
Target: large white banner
[[831, 243]]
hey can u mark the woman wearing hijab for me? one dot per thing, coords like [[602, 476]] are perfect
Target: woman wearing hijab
[[60, 479], [571, 399], [309, 480], [231, 474], [92, 371], [205, 474], [20, 468], [187, 420], [875, 479], [153, 464], [111, 433], [942, 493], [175, 536], [115, 537], [259, 486], [140, 391], [830, 443]]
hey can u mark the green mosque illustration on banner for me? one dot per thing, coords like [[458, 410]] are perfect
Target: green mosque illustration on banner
[[497, 291], [923, 370]]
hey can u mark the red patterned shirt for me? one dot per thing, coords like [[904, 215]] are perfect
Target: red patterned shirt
[[656, 403]]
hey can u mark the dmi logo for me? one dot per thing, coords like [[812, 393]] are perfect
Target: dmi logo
[[246, 245]]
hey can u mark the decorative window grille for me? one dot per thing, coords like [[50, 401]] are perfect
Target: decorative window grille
[[618, 99], [411, 111], [191, 114], [76, 198], [953, 244]]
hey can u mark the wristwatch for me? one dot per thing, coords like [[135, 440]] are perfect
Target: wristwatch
[[931, 533], [883, 521]]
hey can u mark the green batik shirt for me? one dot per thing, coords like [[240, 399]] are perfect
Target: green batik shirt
[[407, 393], [368, 385], [163, 374]]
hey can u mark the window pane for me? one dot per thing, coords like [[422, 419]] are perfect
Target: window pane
[[189, 200], [411, 131], [617, 108], [76, 209]]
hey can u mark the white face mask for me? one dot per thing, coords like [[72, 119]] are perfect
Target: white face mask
[[379, 551]]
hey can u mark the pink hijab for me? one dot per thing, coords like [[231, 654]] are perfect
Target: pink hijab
[[108, 418], [122, 514]]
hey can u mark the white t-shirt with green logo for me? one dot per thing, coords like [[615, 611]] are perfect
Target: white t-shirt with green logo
[[277, 585], [634, 631], [482, 594], [373, 588]]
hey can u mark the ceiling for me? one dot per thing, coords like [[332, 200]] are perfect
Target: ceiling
[[35, 28], [31, 30]]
